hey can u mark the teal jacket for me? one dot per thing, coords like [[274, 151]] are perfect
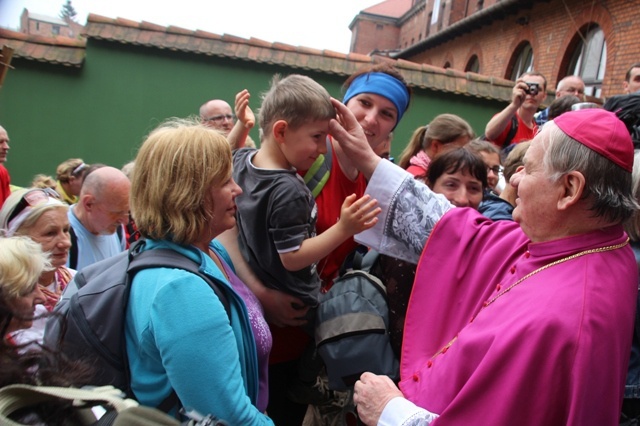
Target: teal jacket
[[178, 336]]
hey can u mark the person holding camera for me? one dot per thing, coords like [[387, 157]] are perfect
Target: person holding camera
[[516, 122]]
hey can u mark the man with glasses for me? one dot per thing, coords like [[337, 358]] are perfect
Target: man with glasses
[[570, 85], [98, 216], [4, 173], [217, 114]]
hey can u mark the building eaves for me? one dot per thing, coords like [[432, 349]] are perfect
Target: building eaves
[[56, 50], [46, 18], [72, 52], [474, 22]]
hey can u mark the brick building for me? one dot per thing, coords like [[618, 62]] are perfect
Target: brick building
[[48, 26], [503, 38]]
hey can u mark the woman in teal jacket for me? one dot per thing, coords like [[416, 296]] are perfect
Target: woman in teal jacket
[[179, 336]]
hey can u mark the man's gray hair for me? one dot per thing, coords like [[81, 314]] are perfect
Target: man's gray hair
[[607, 185]]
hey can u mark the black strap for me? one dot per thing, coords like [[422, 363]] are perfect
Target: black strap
[[73, 251], [166, 258], [512, 132]]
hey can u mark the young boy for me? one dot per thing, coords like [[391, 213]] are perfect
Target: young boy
[[276, 214]]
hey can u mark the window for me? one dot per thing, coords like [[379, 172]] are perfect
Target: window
[[435, 12], [447, 65], [523, 62], [589, 60], [473, 65], [441, 17], [56, 30]]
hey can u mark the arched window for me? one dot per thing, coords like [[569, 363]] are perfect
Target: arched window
[[473, 65], [447, 65], [523, 62], [589, 60]]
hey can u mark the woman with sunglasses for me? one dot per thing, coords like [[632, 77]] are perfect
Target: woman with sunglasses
[[38, 213], [70, 175]]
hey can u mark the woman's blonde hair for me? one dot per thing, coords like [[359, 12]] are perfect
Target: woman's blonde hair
[[176, 167], [445, 128], [43, 181], [22, 261], [66, 168]]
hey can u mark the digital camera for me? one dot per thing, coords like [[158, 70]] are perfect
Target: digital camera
[[533, 89]]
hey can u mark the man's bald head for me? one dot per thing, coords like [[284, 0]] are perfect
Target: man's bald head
[[217, 114], [571, 85], [104, 200]]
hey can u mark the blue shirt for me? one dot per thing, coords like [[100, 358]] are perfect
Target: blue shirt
[[178, 336], [92, 248]]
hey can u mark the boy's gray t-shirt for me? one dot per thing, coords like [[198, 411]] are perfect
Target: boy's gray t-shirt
[[276, 213]]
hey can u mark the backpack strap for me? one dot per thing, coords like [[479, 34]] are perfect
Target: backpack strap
[[318, 175], [166, 258], [512, 132], [16, 397], [73, 250]]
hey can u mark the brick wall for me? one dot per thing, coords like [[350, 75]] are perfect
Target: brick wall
[[552, 28], [369, 35]]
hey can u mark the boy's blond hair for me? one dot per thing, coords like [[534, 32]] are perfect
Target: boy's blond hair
[[296, 99]]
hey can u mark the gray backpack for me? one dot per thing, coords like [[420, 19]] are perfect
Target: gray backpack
[[352, 326], [89, 324]]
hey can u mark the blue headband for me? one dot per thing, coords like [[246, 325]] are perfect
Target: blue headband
[[382, 84]]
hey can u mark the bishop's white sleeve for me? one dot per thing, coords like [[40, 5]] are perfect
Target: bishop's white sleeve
[[402, 412], [410, 210]]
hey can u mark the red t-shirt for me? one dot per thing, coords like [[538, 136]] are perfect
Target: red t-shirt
[[5, 191], [329, 201], [523, 133]]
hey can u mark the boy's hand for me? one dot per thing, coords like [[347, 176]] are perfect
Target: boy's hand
[[358, 215], [243, 111]]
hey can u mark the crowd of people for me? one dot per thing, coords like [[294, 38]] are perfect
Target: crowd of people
[[510, 259]]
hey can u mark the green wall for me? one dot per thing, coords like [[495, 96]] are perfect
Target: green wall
[[102, 111]]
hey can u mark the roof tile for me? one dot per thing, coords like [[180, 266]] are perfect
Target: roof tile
[[71, 52], [57, 50]]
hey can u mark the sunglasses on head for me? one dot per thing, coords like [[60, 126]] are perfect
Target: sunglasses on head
[[79, 169], [32, 198]]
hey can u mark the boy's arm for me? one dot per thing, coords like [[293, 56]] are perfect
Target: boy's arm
[[356, 216], [278, 306], [246, 120]]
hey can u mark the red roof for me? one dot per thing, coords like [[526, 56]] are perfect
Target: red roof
[[57, 50], [390, 8], [71, 52]]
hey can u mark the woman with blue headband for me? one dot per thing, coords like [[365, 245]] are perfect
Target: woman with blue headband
[[378, 96]]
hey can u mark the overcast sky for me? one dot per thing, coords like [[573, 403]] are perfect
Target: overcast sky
[[320, 24]]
